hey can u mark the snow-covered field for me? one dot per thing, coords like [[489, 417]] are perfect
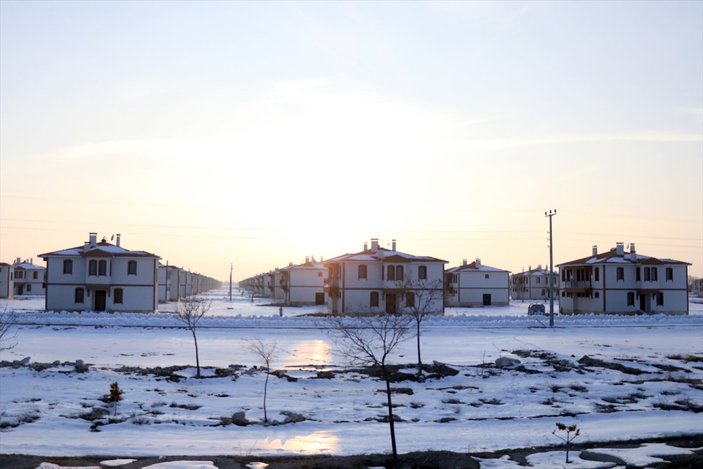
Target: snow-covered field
[[645, 380]]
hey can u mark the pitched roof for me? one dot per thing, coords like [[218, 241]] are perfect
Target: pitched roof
[[473, 267], [612, 257], [29, 266], [101, 249], [383, 255]]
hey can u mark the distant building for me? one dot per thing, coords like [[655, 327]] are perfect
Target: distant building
[[7, 281], [476, 284], [697, 287], [623, 282], [29, 278], [533, 284], [304, 284], [100, 276], [378, 280]]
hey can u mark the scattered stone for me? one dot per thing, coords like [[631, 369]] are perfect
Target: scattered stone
[[25, 361], [507, 362], [239, 419], [292, 417]]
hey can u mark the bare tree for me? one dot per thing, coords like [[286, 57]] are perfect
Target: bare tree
[[369, 341], [7, 334], [190, 311], [266, 353], [421, 300], [571, 431]]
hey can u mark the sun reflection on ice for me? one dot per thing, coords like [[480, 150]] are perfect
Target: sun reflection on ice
[[310, 352], [314, 443]]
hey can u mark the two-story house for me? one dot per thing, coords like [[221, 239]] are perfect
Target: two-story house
[[100, 276], [7, 281], [533, 284], [379, 280], [623, 282], [303, 284], [476, 284], [29, 278]]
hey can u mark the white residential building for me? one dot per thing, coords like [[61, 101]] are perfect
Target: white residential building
[[476, 284], [7, 281], [379, 280], [623, 282], [100, 276], [29, 278], [533, 284], [304, 284]]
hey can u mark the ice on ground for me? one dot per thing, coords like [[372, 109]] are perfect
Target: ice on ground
[[645, 454]]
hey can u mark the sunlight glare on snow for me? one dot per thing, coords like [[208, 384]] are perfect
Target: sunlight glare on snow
[[314, 443]]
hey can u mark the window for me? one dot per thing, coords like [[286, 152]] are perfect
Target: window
[[93, 267], [487, 276], [646, 274], [563, 275], [422, 272], [362, 272], [29, 287], [373, 301], [538, 280], [630, 298], [19, 274], [36, 275], [410, 299], [654, 274], [620, 273], [67, 266], [391, 273], [118, 296], [670, 274], [102, 268], [78, 295], [660, 299], [596, 274], [596, 294], [132, 268], [399, 272], [638, 274]]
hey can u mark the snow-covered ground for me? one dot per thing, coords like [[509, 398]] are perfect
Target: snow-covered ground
[[645, 382]]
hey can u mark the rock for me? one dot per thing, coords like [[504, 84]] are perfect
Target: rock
[[25, 361], [240, 419], [507, 362], [292, 417], [81, 367]]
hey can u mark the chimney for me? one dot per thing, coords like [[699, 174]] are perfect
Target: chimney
[[307, 260], [478, 262], [632, 248], [620, 248], [92, 239], [366, 246], [374, 244], [393, 245], [595, 250], [464, 262], [117, 239]]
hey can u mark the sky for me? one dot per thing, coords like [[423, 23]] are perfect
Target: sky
[[255, 134]]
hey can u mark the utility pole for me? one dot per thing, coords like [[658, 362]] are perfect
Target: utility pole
[[230, 282], [550, 214]]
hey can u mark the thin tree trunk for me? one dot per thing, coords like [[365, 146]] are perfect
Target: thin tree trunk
[[419, 355], [391, 422], [266, 384], [197, 357]]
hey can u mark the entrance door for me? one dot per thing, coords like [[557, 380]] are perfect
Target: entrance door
[[643, 302], [391, 303], [486, 299], [319, 298], [100, 296]]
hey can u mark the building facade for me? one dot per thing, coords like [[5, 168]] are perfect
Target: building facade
[[533, 284], [30, 279], [304, 284], [7, 281], [476, 284], [623, 282], [100, 276], [378, 280]]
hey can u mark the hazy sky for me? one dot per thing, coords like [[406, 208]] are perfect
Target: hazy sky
[[259, 133]]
